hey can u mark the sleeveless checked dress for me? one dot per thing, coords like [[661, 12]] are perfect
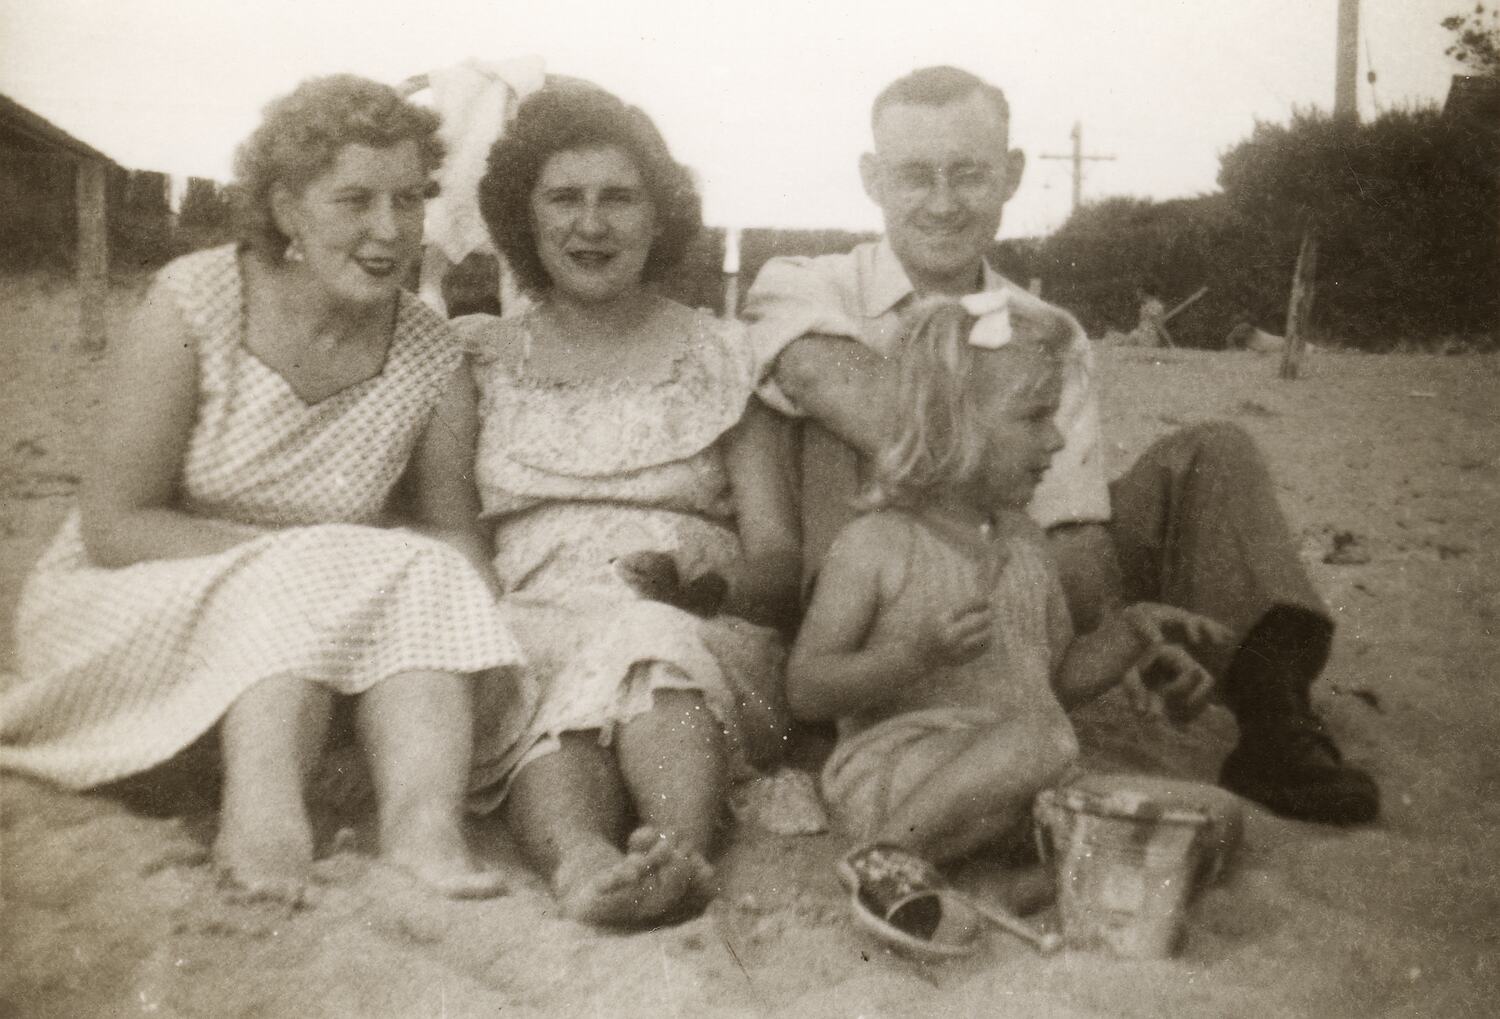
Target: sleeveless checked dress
[[122, 668]]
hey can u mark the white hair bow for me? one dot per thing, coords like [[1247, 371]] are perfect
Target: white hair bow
[[992, 309]]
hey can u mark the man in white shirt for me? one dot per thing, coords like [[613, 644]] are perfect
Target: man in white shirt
[[1194, 522]]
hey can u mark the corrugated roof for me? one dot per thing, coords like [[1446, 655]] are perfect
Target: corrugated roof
[[20, 128]]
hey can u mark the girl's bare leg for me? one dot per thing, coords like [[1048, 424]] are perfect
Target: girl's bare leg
[[569, 812], [270, 739], [980, 792], [418, 731]]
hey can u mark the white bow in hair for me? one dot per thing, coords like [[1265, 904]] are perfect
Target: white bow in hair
[[992, 309]]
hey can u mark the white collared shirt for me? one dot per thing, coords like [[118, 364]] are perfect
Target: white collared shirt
[[859, 296]]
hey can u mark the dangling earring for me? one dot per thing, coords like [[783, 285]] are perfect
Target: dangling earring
[[294, 252]]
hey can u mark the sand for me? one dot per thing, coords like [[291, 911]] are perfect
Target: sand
[[1388, 466]]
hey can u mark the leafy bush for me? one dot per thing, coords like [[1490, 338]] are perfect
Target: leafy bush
[[1109, 254], [1476, 39], [1405, 208], [1406, 211]]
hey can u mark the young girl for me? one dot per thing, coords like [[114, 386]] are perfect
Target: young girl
[[938, 637]]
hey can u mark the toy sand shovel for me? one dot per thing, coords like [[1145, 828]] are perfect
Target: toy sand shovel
[[904, 901]]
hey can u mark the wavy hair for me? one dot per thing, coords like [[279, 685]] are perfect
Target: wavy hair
[[940, 396], [301, 135], [575, 115]]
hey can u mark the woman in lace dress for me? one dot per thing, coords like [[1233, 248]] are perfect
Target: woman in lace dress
[[640, 516], [231, 561]]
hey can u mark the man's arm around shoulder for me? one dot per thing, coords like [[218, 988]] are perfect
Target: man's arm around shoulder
[[812, 362]]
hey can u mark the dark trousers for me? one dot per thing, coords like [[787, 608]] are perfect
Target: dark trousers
[[1196, 524]]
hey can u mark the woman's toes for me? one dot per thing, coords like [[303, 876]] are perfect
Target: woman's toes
[[608, 895]]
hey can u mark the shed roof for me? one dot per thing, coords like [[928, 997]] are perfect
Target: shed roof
[[27, 131]]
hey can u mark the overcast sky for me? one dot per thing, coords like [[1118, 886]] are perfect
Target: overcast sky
[[766, 99]]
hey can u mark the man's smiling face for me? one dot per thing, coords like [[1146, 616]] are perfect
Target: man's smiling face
[[941, 176]]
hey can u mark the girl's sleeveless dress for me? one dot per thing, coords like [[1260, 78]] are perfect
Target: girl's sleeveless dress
[[575, 476], [881, 756], [122, 668]]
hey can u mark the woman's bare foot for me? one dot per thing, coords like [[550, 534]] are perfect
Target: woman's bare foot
[[650, 879], [264, 864], [430, 846]]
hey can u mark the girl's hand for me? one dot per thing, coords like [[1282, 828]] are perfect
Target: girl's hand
[[958, 636], [1166, 680], [1168, 624]]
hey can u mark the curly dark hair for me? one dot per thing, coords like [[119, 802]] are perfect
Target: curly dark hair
[[300, 136], [564, 117]]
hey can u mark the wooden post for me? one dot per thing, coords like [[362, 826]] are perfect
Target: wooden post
[[730, 267], [93, 253], [731, 295], [1299, 308]]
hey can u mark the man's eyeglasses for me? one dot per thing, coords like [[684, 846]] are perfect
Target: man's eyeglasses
[[916, 181]]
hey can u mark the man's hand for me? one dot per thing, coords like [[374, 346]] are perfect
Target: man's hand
[[1166, 680]]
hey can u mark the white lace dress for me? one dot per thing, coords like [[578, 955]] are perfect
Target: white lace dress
[[576, 475], [122, 668]]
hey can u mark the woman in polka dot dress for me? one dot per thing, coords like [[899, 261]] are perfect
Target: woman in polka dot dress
[[233, 560]]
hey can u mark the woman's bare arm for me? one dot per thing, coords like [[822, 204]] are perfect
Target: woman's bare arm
[[756, 454], [130, 497], [443, 496]]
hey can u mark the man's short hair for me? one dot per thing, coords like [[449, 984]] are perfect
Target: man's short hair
[[939, 86]]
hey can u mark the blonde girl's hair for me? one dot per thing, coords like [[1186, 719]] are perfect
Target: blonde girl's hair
[[940, 442]]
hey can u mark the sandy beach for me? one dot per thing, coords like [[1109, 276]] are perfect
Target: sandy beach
[[1389, 469]]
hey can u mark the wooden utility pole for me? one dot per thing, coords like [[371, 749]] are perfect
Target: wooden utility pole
[[1345, 108], [1077, 158], [1346, 73]]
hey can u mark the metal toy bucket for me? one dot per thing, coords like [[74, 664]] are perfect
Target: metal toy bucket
[[1128, 862]]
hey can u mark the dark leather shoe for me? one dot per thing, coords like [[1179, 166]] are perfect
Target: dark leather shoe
[[1294, 768]]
